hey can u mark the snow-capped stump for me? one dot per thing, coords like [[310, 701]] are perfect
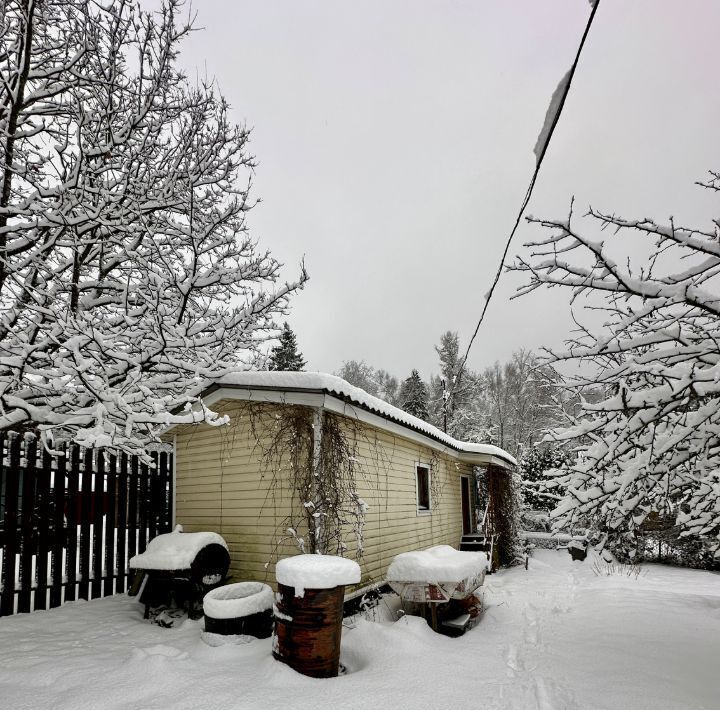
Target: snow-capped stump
[[180, 566], [577, 549], [309, 612], [241, 608]]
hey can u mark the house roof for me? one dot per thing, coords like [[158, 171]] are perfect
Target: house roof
[[252, 385]]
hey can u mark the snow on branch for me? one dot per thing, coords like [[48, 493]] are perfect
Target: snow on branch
[[126, 268], [652, 442]]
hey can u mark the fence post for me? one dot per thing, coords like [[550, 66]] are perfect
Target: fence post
[[98, 503], [85, 497], [58, 542], [10, 468], [122, 484], [110, 521], [44, 520], [74, 503], [28, 540]]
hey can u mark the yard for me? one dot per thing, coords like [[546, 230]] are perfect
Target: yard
[[556, 636]]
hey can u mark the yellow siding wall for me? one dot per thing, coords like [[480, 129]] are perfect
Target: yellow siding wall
[[223, 485]]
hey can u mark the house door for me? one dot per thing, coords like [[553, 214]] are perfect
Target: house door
[[466, 508]]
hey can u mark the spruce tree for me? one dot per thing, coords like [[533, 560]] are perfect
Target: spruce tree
[[285, 355], [414, 397], [534, 464]]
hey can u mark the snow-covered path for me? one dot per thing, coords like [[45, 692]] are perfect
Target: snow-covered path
[[553, 637]]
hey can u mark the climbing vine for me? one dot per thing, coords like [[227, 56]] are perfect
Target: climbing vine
[[325, 506]]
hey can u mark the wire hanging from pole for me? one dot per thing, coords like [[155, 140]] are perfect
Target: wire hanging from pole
[[564, 88]]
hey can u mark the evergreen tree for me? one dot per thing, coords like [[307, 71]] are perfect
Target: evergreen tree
[[535, 466], [285, 355], [456, 393], [414, 397]]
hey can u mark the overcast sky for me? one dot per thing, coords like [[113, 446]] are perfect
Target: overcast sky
[[394, 141]]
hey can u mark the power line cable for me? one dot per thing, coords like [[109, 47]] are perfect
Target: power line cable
[[540, 149]]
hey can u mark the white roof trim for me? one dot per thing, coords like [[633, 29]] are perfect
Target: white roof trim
[[336, 395]]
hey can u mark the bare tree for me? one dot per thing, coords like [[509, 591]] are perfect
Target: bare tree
[[524, 399], [126, 269], [653, 444], [378, 383]]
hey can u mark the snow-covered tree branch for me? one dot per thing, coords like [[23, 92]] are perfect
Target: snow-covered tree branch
[[653, 443], [126, 269]]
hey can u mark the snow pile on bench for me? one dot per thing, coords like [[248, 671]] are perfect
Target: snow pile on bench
[[234, 601], [175, 550], [316, 572], [441, 563]]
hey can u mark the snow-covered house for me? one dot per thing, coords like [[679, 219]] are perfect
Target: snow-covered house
[[261, 480]]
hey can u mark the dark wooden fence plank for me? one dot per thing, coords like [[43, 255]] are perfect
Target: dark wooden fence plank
[[60, 536], [98, 554], [44, 522], [110, 520], [11, 536], [122, 523], [143, 511], [28, 541], [85, 500], [163, 504], [133, 492], [155, 498], [73, 488]]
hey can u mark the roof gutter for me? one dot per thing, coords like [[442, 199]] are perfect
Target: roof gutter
[[340, 404]]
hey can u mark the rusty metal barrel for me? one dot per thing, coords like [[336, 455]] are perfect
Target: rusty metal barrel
[[309, 612]]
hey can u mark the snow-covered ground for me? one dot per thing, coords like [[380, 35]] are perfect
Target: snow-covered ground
[[554, 637]]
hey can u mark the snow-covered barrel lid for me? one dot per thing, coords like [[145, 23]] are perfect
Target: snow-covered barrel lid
[[238, 600], [441, 563], [313, 571], [175, 550]]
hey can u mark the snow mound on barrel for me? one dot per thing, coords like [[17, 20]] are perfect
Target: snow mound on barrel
[[234, 601], [175, 550], [316, 572], [441, 563]]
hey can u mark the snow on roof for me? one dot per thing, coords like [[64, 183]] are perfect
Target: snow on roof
[[441, 563], [175, 550], [332, 385]]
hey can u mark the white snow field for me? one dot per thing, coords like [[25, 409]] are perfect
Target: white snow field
[[553, 637]]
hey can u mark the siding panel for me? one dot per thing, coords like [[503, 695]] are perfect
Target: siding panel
[[223, 485]]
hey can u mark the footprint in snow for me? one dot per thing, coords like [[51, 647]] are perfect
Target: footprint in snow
[[513, 662], [159, 650]]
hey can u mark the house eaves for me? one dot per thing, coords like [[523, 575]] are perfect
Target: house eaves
[[336, 395]]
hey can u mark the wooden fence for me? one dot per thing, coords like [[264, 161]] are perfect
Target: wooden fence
[[69, 524]]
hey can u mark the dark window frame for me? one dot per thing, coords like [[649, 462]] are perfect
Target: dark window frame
[[423, 498]]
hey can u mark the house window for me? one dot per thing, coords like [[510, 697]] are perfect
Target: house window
[[422, 475]]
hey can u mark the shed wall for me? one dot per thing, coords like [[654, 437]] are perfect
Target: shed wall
[[223, 485]]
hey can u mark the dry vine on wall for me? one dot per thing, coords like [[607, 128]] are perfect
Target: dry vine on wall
[[499, 490], [324, 504]]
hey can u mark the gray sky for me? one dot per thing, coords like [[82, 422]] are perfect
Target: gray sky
[[395, 138]]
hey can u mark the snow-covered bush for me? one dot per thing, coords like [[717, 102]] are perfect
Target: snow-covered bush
[[126, 269], [535, 466], [652, 445]]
